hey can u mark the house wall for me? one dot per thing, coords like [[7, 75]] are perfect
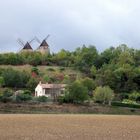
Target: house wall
[[39, 91]]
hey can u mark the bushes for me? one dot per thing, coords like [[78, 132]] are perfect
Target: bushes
[[23, 97], [125, 104], [6, 96], [41, 99], [14, 78], [103, 94], [135, 96], [19, 96]]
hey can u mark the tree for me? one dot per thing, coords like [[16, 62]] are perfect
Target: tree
[[77, 92], [85, 57], [32, 83], [14, 78], [93, 71], [103, 94], [89, 83]]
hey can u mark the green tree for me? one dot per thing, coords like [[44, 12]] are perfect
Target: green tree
[[89, 83], [103, 94], [93, 71], [14, 78], [32, 83], [77, 92]]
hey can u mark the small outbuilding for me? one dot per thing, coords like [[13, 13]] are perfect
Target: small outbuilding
[[52, 91]]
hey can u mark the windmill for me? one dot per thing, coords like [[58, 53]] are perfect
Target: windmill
[[25, 46], [43, 47]]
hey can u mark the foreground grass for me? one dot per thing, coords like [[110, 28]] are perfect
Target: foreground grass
[[26, 108], [76, 127]]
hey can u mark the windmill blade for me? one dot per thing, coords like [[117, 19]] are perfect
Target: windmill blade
[[37, 40], [47, 37], [31, 41], [19, 49], [21, 42]]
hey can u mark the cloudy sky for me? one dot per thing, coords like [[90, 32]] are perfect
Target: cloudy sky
[[71, 23]]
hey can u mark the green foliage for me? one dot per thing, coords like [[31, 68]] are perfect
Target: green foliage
[[89, 84], [116, 67], [125, 105], [51, 69], [27, 92], [32, 83], [41, 99], [6, 96], [77, 92], [14, 78], [47, 78], [128, 101], [23, 97], [103, 94], [61, 69], [2, 82], [93, 71], [86, 57], [35, 70], [135, 96]]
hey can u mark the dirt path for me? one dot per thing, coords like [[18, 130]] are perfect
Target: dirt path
[[69, 127]]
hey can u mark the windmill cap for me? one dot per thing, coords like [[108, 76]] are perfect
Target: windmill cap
[[44, 43], [27, 46]]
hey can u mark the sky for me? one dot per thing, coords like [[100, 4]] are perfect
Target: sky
[[70, 23]]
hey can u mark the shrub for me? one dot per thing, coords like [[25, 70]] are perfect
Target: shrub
[[2, 82], [103, 94], [35, 70], [128, 101], [61, 69], [125, 104], [61, 99], [23, 97], [41, 99], [27, 92], [51, 69], [6, 96], [134, 96]]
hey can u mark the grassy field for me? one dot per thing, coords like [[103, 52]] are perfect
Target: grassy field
[[67, 127], [43, 69]]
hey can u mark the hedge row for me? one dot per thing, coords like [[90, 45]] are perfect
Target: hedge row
[[125, 105]]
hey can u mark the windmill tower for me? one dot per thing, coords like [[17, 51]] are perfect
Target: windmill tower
[[26, 47], [43, 47]]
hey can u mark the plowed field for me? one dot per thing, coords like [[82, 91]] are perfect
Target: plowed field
[[69, 127]]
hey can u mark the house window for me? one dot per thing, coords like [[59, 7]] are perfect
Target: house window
[[47, 91]]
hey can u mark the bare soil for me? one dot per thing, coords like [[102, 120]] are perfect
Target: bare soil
[[69, 127]]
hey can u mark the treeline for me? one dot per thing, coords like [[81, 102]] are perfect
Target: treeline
[[118, 68]]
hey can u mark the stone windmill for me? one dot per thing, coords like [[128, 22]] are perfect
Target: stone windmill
[[43, 47], [26, 47]]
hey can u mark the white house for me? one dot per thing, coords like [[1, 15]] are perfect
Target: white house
[[51, 91]]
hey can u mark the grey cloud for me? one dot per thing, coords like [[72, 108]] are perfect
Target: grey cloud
[[102, 23]]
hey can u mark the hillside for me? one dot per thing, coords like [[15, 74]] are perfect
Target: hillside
[[112, 76], [46, 70]]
